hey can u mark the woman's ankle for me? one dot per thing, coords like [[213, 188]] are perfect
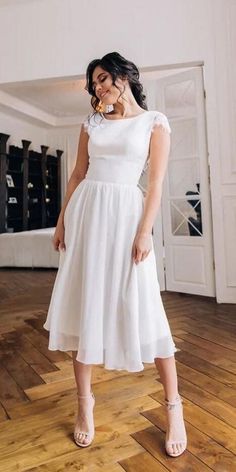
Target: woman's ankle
[[84, 392], [172, 398]]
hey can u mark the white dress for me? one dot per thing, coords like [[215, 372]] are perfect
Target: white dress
[[103, 305]]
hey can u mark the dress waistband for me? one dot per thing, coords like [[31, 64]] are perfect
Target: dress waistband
[[108, 170], [109, 182]]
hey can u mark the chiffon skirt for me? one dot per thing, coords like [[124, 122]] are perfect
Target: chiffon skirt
[[103, 305]]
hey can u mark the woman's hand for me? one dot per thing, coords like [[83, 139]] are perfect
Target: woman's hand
[[58, 237], [141, 247]]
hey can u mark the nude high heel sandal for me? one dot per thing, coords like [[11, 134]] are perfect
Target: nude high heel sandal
[[87, 434], [178, 412]]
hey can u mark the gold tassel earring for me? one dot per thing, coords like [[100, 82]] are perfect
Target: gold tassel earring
[[100, 107]]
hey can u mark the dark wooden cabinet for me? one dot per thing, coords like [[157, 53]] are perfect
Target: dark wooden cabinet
[[30, 187]]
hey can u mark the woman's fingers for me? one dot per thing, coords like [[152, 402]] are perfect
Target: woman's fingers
[[144, 255], [139, 256], [62, 246], [57, 244], [58, 237]]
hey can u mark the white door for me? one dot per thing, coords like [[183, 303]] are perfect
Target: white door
[[186, 204], [150, 87]]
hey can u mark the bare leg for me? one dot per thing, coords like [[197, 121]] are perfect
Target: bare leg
[[176, 427], [168, 375], [83, 373]]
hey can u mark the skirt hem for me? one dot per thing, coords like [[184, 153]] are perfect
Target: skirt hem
[[112, 366]]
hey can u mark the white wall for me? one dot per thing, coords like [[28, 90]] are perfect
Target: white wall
[[20, 128], [64, 35], [57, 38]]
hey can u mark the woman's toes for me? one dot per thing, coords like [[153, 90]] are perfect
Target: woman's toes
[[178, 448], [83, 438], [170, 449], [80, 437], [181, 447], [175, 449]]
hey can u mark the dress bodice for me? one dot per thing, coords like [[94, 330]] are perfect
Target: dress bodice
[[119, 148]]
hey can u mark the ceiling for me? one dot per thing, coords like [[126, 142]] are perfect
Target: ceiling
[[57, 102]]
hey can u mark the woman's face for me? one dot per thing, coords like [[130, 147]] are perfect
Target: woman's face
[[103, 87]]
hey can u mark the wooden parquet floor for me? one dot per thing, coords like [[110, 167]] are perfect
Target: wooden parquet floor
[[38, 395]]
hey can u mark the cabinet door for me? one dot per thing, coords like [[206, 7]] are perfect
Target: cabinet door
[[52, 190], [14, 217], [35, 190]]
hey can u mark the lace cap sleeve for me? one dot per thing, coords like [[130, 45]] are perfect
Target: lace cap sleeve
[[86, 123], [161, 120]]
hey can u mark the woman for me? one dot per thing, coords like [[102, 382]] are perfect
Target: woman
[[106, 306]]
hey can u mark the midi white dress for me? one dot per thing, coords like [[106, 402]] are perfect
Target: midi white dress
[[104, 305]]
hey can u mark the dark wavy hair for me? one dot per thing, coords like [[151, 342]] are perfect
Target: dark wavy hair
[[118, 67]]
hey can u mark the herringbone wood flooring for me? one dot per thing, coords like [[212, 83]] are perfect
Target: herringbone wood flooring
[[38, 395]]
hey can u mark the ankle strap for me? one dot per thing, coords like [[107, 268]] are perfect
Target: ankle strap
[[175, 402], [85, 396]]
